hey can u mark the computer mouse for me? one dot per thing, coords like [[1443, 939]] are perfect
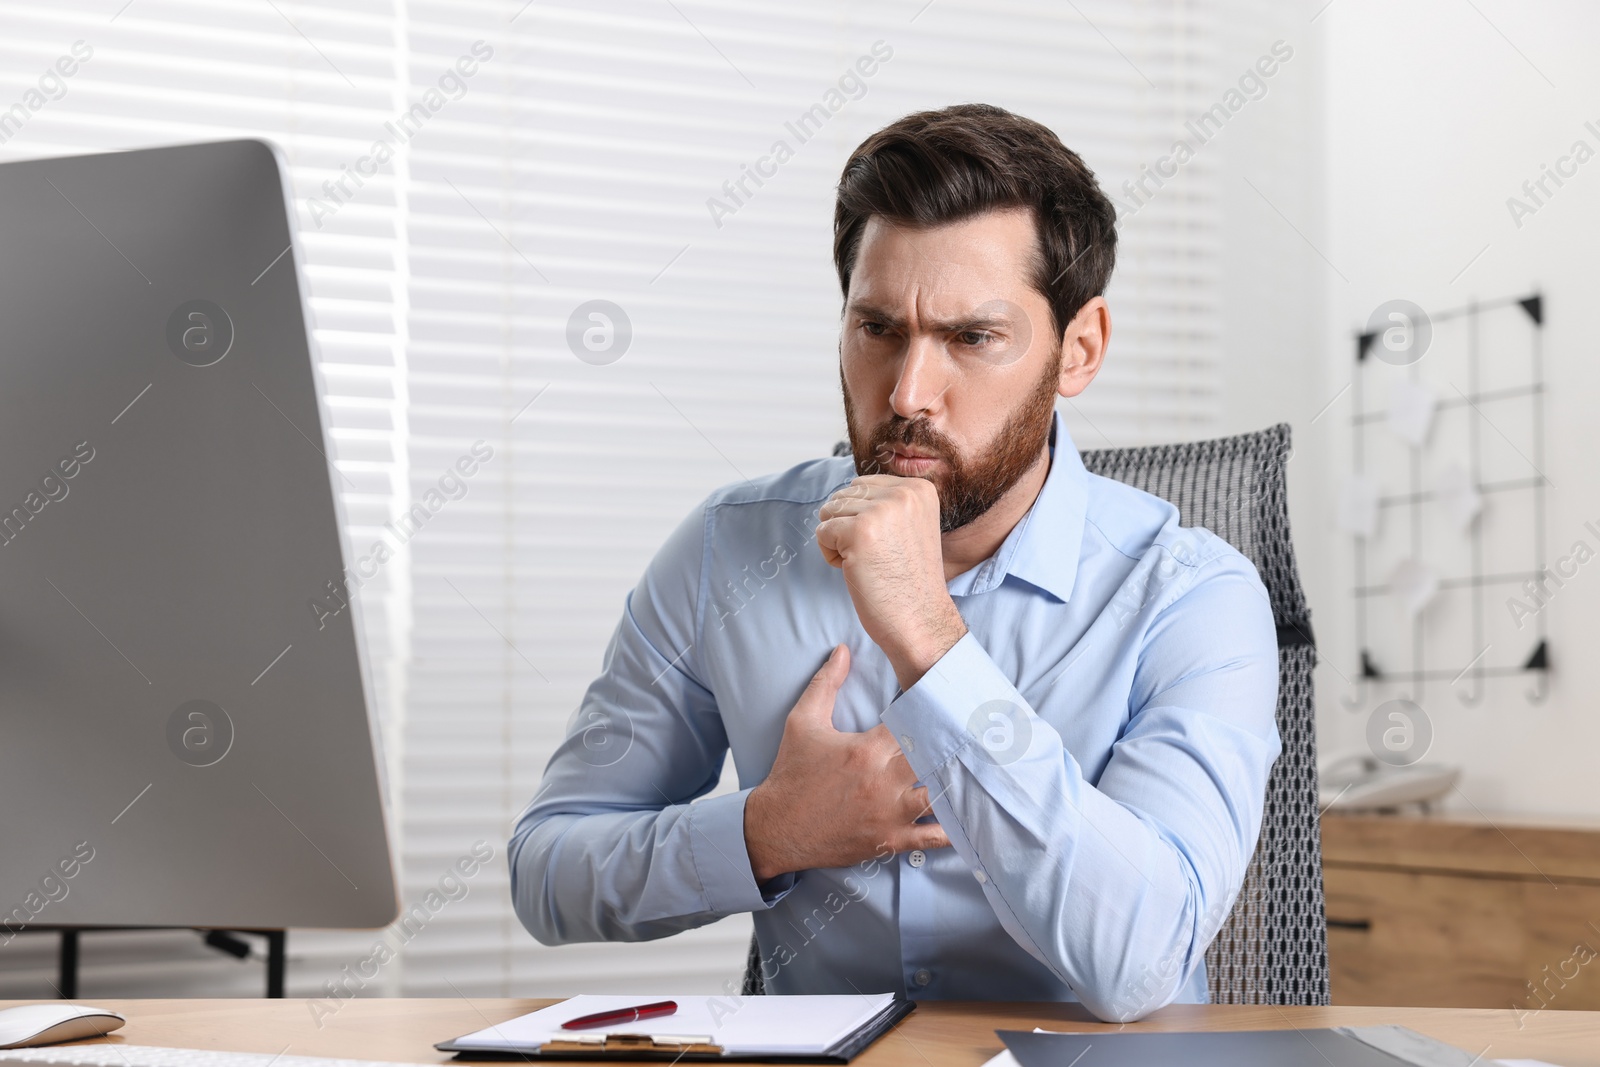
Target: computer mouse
[[45, 1024]]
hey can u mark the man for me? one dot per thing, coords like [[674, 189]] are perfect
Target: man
[[1032, 765]]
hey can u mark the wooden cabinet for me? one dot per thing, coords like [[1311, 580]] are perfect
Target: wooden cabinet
[[1438, 911]]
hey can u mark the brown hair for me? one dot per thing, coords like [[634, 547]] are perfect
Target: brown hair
[[937, 167]]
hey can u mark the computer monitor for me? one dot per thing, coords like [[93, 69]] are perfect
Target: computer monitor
[[186, 728]]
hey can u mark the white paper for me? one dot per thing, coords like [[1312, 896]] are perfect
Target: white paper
[[1006, 1059], [777, 1025], [1358, 506], [1411, 412], [1459, 497], [1414, 583]]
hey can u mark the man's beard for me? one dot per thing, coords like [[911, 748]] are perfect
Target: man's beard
[[970, 486]]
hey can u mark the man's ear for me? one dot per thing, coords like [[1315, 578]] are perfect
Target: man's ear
[[1083, 346]]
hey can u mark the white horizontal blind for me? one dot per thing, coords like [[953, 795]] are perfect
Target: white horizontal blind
[[577, 165], [319, 80], [574, 163]]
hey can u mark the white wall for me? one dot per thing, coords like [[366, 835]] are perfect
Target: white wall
[[1273, 191], [1435, 113]]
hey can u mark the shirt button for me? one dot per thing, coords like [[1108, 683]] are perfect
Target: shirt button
[[922, 977], [980, 876], [918, 857], [907, 743]]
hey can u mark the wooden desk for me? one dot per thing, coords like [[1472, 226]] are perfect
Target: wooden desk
[[948, 1034]]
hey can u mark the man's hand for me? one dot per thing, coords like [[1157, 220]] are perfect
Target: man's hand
[[833, 799], [883, 533]]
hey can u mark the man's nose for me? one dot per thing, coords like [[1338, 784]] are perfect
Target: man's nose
[[923, 378]]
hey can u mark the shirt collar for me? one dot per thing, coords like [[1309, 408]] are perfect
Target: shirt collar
[[1043, 548]]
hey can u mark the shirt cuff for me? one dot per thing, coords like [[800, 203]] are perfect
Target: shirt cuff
[[952, 706], [716, 841]]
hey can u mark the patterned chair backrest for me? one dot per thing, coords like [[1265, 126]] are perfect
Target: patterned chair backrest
[[1273, 949]]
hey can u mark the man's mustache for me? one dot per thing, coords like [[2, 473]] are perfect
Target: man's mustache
[[899, 430]]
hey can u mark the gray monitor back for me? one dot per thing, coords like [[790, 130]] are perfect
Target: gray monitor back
[[184, 739]]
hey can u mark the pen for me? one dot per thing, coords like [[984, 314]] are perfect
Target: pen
[[622, 1015]]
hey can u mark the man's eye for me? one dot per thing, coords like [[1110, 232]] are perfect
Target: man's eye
[[875, 329], [975, 338]]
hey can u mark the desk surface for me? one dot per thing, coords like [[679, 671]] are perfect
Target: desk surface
[[937, 1034]]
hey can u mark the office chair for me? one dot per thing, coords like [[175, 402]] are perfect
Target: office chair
[[1273, 949]]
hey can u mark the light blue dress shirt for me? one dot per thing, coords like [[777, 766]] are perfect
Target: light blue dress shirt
[[1096, 747]]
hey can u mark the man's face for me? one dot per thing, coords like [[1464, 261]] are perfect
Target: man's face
[[947, 358]]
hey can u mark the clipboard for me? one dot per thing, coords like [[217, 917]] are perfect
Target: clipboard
[[697, 1048]]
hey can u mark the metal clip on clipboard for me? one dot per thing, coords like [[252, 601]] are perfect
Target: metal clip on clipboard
[[625, 1043]]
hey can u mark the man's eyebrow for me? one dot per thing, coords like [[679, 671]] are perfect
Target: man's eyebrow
[[866, 310], [974, 322], [977, 322]]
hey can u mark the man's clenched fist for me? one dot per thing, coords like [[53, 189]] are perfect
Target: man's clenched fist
[[882, 531]]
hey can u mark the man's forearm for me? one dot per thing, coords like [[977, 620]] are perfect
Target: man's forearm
[[762, 839], [923, 642]]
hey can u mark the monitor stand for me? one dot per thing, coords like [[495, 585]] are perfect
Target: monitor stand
[[222, 940]]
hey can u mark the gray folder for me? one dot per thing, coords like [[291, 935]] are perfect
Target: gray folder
[[1344, 1046]]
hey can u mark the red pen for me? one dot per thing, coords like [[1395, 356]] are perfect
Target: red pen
[[622, 1015]]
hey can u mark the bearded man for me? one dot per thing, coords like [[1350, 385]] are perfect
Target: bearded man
[[1032, 763]]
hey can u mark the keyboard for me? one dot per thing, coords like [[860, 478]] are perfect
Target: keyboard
[[152, 1056]]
